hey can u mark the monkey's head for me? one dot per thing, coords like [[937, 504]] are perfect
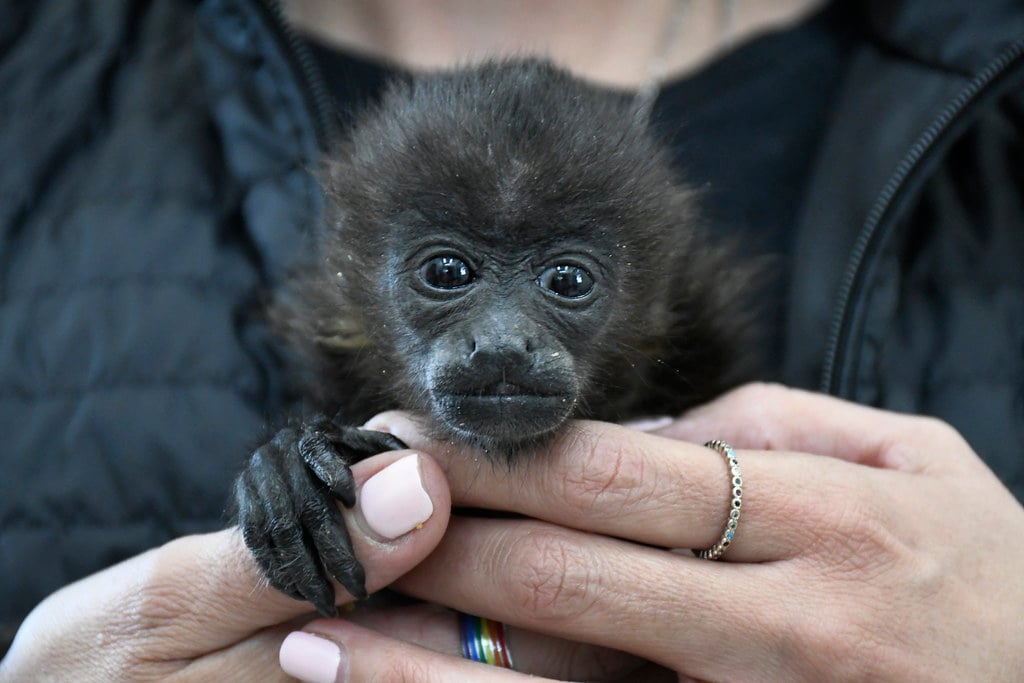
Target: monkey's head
[[503, 239]]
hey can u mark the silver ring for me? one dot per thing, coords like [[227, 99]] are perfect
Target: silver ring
[[484, 640], [736, 480]]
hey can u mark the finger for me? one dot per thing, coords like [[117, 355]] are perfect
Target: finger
[[327, 467], [573, 585], [252, 659], [330, 651], [437, 628], [384, 551], [315, 525], [615, 481], [203, 592], [776, 418], [329, 536], [282, 509]]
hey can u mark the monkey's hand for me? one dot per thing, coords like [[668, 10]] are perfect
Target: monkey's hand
[[287, 508]]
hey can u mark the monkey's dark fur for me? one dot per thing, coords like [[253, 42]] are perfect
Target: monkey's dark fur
[[507, 248]]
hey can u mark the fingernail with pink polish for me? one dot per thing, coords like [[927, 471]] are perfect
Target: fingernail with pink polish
[[393, 501], [376, 424], [393, 423], [311, 658]]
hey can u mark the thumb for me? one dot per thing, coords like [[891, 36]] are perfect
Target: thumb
[[198, 594], [403, 508]]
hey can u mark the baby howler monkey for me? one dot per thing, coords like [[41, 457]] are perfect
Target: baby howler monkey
[[506, 248]]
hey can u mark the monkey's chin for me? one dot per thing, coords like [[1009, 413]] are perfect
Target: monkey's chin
[[504, 424]]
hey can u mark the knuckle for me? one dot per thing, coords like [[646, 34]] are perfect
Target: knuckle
[[606, 475], [266, 458], [827, 644], [282, 442], [757, 395], [759, 403], [855, 624], [848, 527], [405, 670], [553, 580], [924, 431], [152, 617], [260, 459], [822, 634], [162, 598], [941, 431], [856, 616], [934, 424], [856, 536], [806, 515], [314, 508]]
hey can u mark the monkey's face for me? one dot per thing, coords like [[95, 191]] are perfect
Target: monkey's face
[[499, 338]]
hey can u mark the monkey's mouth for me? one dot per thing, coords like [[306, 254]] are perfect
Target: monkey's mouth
[[504, 389], [504, 415]]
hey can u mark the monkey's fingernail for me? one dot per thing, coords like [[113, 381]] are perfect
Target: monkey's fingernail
[[393, 501], [312, 658], [393, 422], [648, 424]]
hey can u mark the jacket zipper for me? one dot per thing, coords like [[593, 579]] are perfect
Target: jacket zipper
[[311, 83], [880, 222]]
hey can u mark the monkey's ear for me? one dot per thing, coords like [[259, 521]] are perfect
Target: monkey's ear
[[312, 315], [341, 335]]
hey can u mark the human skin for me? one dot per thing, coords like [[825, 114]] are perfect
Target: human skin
[[894, 559], [198, 609], [618, 44], [872, 546]]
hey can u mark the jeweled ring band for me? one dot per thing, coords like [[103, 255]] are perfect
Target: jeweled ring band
[[483, 640], [736, 479]]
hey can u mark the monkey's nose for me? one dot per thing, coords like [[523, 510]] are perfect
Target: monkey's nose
[[500, 362], [504, 348]]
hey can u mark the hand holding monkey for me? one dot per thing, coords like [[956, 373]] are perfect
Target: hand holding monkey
[[895, 558], [198, 608]]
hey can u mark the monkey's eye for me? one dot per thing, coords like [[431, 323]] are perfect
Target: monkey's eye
[[446, 272], [567, 281]]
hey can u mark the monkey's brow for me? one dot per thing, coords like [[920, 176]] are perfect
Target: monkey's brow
[[476, 232]]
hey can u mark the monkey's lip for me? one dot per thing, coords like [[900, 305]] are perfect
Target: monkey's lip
[[545, 400], [512, 400], [504, 389], [507, 417]]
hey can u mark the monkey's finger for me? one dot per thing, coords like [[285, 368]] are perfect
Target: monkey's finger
[[308, 532], [329, 534], [274, 494], [329, 468], [327, 449], [363, 440], [264, 498], [233, 582]]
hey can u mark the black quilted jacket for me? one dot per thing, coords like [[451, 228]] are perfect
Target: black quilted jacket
[[153, 181]]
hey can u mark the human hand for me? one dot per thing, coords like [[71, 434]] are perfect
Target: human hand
[[198, 608], [897, 558]]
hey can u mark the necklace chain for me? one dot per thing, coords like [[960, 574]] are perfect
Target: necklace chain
[[658, 67]]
